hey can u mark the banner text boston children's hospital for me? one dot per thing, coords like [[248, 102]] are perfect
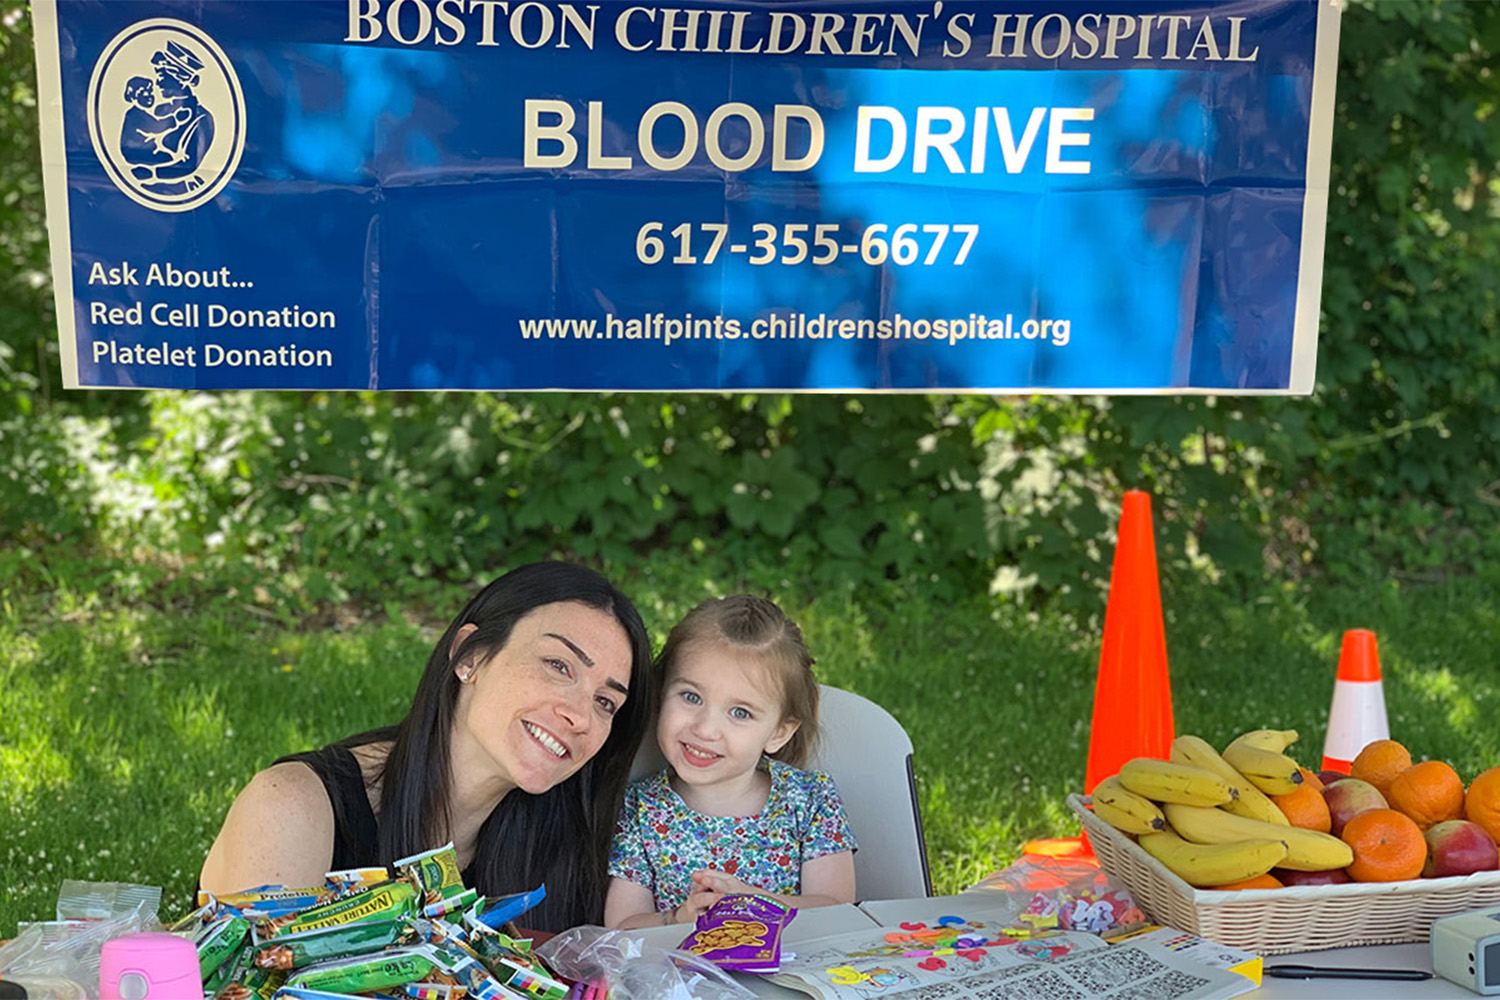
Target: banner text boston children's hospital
[[1065, 196]]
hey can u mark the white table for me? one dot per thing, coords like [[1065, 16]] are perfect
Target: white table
[[825, 920], [1391, 956], [818, 922]]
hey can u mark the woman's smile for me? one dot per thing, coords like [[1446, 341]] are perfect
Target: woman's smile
[[546, 739]]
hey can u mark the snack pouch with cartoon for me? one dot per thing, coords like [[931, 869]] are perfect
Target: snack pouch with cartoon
[[741, 933]]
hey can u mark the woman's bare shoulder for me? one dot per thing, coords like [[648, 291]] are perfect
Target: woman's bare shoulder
[[279, 830], [289, 785]]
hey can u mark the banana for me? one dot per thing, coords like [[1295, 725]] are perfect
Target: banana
[[1249, 801], [1306, 850], [1273, 773], [1125, 810], [1213, 864], [1274, 740], [1164, 781]]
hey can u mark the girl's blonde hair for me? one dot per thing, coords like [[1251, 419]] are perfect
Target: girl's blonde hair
[[756, 625]]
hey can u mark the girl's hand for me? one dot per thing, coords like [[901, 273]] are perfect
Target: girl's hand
[[721, 883], [699, 900]]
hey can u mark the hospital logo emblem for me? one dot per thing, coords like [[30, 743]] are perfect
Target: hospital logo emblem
[[166, 115]]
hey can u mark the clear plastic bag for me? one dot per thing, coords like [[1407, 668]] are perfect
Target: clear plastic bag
[[1072, 895], [80, 900], [66, 951], [636, 970]]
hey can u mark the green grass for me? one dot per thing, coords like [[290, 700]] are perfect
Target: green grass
[[126, 730]]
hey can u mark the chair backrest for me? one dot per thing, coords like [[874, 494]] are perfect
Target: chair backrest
[[869, 756]]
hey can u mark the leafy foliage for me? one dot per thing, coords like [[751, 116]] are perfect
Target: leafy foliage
[[25, 289]]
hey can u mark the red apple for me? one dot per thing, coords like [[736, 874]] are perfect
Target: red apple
[[1329, 777], [1458, 847], [1334, 876], [1348, 798]]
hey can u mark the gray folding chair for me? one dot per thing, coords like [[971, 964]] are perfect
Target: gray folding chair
[[869, 756]]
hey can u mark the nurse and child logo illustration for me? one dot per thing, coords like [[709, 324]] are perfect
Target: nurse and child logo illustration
[[166, 115]]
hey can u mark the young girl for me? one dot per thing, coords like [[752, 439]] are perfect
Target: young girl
[[733, 812]]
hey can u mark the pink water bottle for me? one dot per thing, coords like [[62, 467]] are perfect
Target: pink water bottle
[[149, 966]]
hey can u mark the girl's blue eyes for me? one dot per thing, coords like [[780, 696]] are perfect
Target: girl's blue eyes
[[738, 712]]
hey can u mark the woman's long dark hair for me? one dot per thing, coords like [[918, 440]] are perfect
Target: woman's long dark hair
[[561, 837]]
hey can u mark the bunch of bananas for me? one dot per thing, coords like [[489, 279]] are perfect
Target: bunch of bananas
[[1209, 816]]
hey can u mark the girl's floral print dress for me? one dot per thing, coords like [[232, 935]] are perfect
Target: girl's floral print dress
[[660, 841]]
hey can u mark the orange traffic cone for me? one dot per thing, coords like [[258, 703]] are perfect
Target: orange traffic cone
[[1133, 694], [1357, 716]]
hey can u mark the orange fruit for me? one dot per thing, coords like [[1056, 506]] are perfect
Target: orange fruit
[[1310, 779], [1388, 846], [1482, 804], [1266, 881], [1429, 793], [1380, 762], [1305, 807]]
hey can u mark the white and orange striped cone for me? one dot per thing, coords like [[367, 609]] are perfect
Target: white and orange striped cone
[[1357, 717]]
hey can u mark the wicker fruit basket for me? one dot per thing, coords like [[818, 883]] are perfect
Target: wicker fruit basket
[[1296, 918]]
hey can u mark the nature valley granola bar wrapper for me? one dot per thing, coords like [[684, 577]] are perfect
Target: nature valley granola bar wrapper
[[218, 942], [741, 933], [435, 872], [298, 949], [364, 973], [393, 900]]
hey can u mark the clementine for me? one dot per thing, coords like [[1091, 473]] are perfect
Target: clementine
[[1310, 778], [1388, 846], [1266, 881], [1482, 804], [1380, 762], [1305, 807], [1429, 792]]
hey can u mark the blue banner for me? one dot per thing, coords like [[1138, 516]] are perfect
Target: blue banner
[[841, 196]]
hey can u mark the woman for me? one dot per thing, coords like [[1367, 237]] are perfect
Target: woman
[[517, 748]]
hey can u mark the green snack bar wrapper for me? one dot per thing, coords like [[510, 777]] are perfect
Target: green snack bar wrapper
[[386, 901], [533, 982], [255, 984], [217, 942], [363, 973], [297, 949], [434, 871], [450, 903], [494, 946], [229, 971]]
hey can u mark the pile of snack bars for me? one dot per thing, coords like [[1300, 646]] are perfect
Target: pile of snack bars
[[420, 935]]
